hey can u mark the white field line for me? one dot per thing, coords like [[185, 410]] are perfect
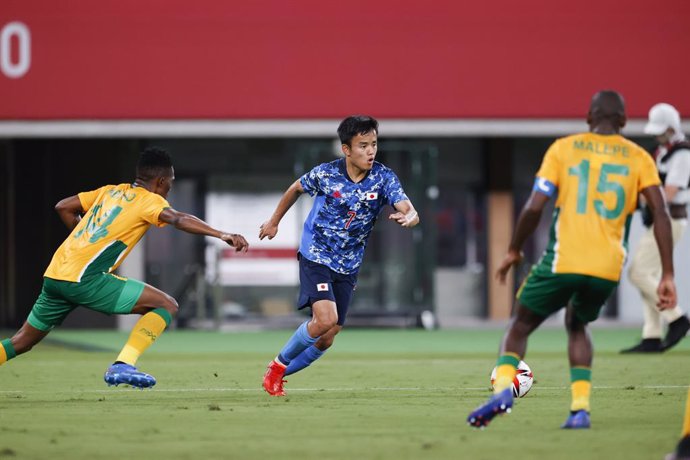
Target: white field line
[[350, 389]]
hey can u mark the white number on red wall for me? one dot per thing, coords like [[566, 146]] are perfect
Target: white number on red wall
[[15, 60]]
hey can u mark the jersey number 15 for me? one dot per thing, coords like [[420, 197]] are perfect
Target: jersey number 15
[[604, 185]]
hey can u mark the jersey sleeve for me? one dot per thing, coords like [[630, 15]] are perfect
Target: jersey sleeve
[[679, 169], [152, 207], [87, 199], [649, 175], [311, 181], [392, 190], [550, 166]]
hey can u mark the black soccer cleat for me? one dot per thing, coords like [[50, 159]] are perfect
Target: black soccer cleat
[[676, 331], [646, 346]]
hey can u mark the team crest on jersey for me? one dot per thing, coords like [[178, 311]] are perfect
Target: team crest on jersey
[[322, 287], [372, 195]]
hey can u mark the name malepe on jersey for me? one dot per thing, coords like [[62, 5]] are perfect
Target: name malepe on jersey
[[602, 148]]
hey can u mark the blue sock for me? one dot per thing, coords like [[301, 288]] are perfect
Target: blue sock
[[304, 359], [299, 341]]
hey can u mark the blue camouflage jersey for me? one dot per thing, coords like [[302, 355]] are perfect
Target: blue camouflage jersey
[[340, 222]]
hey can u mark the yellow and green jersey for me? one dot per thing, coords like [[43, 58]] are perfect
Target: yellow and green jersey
[[598, 178], [117, 217]]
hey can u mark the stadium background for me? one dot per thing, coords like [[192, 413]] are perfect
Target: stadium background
[[248, 96]]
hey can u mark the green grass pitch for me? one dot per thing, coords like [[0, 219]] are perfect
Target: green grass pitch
[[377, 394]]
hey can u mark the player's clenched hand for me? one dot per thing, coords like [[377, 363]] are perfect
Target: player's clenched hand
[[510, 259], [268, 229], [667, 293], [236, 241], [405, 220]]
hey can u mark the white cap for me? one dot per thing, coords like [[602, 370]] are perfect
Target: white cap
[[661, 117]]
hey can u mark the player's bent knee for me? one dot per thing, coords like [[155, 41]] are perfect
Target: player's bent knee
[[331, 322], [171, 305], [325, 324]]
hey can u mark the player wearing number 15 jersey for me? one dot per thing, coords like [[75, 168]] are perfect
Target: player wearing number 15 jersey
[[349, 195], [596, 178]]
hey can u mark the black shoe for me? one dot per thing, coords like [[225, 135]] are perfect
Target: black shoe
[[676, 331], [646, 346]]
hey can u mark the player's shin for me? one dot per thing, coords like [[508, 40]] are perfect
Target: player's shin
[[506, 368], [300, 341], [580, 387], [304, 359], [7, 351], [145, 332]]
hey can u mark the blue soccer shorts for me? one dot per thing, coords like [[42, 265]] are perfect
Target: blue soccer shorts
[[318, 282]]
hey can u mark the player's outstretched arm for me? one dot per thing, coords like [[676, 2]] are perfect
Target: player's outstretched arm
[[664, 240], [192, 224], [270, 227], [406, 215], [69, 209]]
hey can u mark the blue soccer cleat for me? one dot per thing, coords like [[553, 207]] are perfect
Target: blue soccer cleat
[[500, 403], [577, 420], [128, 375]]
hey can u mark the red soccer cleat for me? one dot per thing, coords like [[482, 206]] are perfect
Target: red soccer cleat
[[273, 379]]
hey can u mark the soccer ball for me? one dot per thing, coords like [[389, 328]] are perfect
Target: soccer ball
[[522, 382]]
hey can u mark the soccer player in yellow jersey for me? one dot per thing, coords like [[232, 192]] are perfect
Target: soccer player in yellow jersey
[[106, 224], [596, 178]]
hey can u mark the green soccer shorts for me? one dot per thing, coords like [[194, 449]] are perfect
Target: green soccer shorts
[[103, 292], [544, 293]]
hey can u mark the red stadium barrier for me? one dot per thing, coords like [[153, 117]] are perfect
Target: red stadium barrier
[[167, 59]]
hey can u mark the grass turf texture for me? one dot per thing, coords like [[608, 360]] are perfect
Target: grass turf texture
[[375, 395]]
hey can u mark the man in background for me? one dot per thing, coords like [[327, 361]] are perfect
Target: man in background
[[673, 162]]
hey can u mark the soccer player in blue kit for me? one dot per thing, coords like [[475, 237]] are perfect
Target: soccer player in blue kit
[[349, 195]]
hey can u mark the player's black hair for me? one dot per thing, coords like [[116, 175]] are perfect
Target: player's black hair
[[153, 162], [608, 105], [354, 125]]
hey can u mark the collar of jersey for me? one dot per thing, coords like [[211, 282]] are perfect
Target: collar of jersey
[[343, 170]]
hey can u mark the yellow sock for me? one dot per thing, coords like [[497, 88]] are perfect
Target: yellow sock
[[506, 368], [581, 390], [505, 373], [686, 419], [580, 387], [145, 332]]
